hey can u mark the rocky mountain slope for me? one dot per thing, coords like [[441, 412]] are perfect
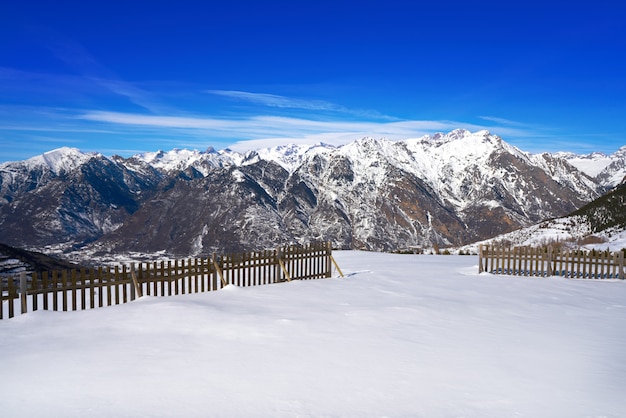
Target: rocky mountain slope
[[373, 194], [68, 196], [599, 224]]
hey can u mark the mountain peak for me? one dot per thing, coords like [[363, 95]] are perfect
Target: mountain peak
[[61, 159], [290, 156], [459, 133]]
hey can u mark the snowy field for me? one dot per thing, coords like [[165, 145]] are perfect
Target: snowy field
[[400, 336]]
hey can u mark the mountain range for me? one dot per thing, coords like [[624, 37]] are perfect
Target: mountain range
[[375, 194]]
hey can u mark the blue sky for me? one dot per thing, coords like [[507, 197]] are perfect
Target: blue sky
[[128, 77]]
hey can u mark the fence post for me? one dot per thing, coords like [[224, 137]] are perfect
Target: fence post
[[622, 274], [279, 257], [480, 259], [218, 269], [549, 260], [329, 257], [12, 296], [135, 290], [23, 292], [277, 271], [329, 248]]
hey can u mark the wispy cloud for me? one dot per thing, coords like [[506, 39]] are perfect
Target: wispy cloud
[[274, 100], [155, 121], [101, 130], [259, 131], [256, 126], [502, 121], [284, 102]]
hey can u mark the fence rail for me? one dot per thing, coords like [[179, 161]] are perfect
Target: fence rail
[[105, 286], [549, 261]]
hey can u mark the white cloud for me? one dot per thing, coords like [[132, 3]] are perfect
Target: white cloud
[[284, 102], [143, 130], [261, 127], [155, 121], [274, 100], [502, 121], [260, 131]]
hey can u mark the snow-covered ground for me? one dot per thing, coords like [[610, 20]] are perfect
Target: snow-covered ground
[[399, 336]]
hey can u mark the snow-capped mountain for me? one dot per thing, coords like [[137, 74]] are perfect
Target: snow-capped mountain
[[60, 160], [607, 170], [18, 178], [184, 160], [69, 196], [290, 157], [441, 189], [444, 189]]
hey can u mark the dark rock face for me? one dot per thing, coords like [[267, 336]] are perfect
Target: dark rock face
[[227, 210], [77, 205]]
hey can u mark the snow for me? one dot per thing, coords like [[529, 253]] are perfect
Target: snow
[[615, 239], [399, 336], [172, 159], [181, 159], [591, 165], [238, 176], [610, 170], [290, 156], [60, 159]]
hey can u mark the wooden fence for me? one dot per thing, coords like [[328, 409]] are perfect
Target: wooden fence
[[105, 286], [548, 261]]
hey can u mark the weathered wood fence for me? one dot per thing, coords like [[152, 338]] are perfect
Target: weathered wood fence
[[105, 286], [549, 261]]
